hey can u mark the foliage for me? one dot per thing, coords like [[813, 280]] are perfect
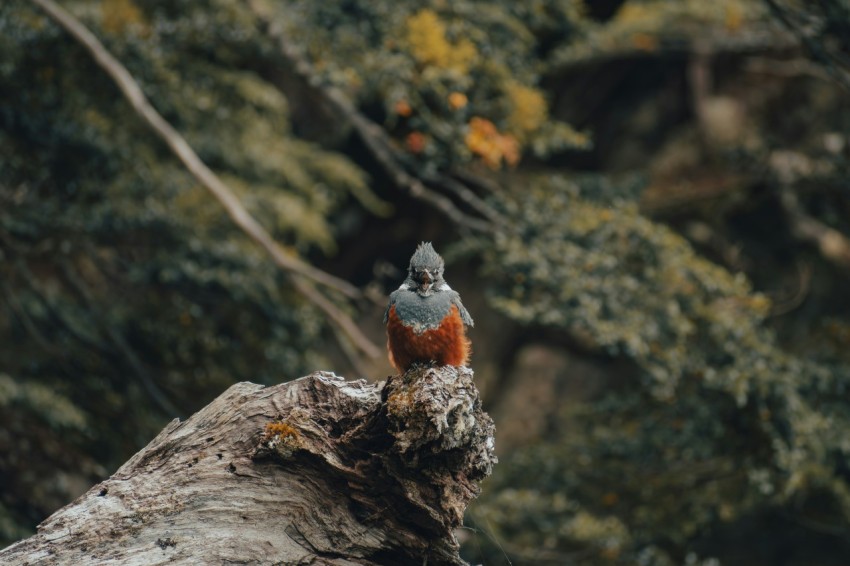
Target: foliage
[[35, 417], [455, 81], [123, 284], [718, 410], [124, 290]]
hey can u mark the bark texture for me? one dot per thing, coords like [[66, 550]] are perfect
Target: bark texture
[[315, 471]]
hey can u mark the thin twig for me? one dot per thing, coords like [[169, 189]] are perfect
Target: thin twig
[[342, 320], [234, 208], [372, 135], [237, 212], [465, 194], [483, 183]]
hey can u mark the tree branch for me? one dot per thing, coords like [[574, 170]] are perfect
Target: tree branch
[[342, 320], [468, 196], [314, 471], [240, 216]]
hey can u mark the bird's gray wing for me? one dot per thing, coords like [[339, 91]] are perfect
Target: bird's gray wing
[[464, 314], [389, 305]]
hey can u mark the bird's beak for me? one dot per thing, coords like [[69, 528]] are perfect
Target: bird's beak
[[425, 282]]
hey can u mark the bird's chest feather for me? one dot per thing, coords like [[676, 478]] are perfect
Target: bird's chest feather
[[421, 314], [441, 344], [426, 329]]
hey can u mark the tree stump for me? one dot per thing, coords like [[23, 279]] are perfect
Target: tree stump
[[315, 471]]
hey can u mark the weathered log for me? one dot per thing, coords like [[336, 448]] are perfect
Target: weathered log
[[315, 471]]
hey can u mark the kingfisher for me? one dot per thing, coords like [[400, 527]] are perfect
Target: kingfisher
[[426, 321]]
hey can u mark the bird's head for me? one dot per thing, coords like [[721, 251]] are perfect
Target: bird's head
[[426, 269]]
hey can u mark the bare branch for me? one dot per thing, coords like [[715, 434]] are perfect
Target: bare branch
[[468, 196], [473, 179], [342, 320], [234, 208]]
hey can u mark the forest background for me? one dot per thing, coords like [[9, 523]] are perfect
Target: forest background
[[644, 205]]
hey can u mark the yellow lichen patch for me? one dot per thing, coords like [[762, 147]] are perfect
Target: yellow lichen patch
[[280, 430], [283, 439], [118, 15], [400, 403], [426, 37], [484, 140], [529, 110]]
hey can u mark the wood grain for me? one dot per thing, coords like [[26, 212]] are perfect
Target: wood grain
[[347, 473]]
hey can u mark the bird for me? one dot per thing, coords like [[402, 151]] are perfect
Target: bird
[[426, 320]]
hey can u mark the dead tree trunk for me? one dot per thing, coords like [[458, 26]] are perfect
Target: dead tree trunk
[[315, 471]]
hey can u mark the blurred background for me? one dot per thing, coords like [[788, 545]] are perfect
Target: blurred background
[[645, 206]]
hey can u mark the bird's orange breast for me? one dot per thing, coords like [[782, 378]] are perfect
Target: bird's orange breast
[[446, 345]]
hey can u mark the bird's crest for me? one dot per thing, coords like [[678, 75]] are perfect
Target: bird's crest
[[426, 257]]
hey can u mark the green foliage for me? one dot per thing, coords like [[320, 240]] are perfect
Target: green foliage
[[123, 285], [718, 423], [635, 288], [435, 73], [58, 412], [39, 428], [124, 289]]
